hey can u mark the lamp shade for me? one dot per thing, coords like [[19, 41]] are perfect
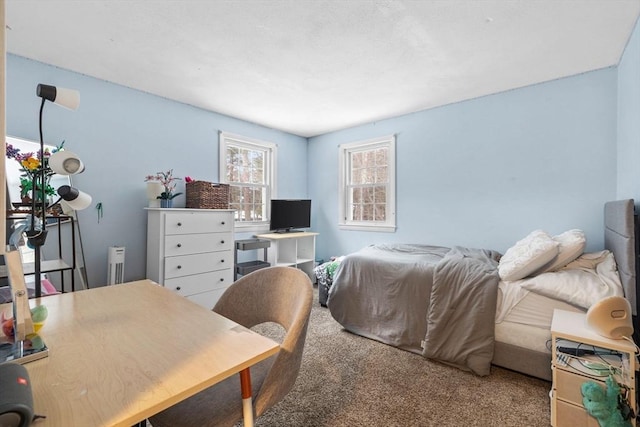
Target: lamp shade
[[75, 198], [67, 98], [65, 163]]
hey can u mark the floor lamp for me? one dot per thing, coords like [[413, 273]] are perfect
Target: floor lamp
[[61, 162]]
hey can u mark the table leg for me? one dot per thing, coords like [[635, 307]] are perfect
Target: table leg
[[247, 407]]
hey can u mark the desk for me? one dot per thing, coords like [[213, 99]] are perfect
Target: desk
[[119, 354]]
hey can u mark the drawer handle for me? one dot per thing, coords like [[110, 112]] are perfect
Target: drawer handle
[[222, 260], [222, 223], [179, 224], [178, 288], [222, 279], [222, 242], [179, 245], [179, 267]]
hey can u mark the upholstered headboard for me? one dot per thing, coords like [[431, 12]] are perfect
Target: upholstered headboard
[[620, 238]]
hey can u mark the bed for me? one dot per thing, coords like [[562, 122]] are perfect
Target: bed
[[456, 305]]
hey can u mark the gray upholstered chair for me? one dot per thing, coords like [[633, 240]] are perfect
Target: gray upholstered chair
[[275, 294]]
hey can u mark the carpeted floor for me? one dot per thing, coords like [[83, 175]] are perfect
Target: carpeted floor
[[348, 380]]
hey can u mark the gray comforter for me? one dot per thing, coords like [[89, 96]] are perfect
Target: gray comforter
[[388, 292], [462, 310]]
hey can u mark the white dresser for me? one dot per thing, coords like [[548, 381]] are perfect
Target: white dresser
[[191, 251]]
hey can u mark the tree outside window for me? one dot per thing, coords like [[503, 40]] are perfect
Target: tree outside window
[[367, 196], [249, 170]]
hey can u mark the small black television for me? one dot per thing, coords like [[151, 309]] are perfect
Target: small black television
[[287, 215]]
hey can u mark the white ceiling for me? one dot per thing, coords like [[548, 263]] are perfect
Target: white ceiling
[[313, 66]]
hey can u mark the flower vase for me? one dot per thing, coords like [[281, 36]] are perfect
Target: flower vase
[[166, 203], [154, 189]]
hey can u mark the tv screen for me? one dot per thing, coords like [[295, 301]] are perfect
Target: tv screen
[[287, 215]]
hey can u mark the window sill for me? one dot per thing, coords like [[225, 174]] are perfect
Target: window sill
[[241, 227], [372, 228]]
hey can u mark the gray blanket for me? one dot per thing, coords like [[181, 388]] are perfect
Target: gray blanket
[[462, 308], [384, 292]]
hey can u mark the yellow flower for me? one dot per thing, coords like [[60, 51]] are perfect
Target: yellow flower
[[31, 164]]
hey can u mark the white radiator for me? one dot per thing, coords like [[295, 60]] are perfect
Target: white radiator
[[115, 273]]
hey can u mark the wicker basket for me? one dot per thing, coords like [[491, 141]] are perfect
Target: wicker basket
[[207, 195]]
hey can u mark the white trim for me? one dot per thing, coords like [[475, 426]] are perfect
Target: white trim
[[271, 150], [368, 227], [344, 169], [247, 140], [250, 143], [252, 226], [368, 142]]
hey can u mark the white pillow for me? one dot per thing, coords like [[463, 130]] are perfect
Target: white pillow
[[527, 256], [571, 246], [583, 286]]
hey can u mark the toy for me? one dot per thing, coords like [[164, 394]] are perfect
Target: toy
[[603, 404], [39, 314]]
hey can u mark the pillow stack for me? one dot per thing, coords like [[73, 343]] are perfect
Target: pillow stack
[[571, 245], [538, 253]]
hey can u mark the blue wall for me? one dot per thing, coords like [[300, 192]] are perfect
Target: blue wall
[[122, 135], [629, 120], [480, 173], [486, 172]]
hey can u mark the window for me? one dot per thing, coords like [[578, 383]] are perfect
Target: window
[[248, 166], [367, 185]]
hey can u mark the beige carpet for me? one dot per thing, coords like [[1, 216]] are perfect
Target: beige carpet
[[347, 380]]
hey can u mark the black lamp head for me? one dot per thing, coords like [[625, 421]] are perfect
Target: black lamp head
[[47, 92], [75, 198]]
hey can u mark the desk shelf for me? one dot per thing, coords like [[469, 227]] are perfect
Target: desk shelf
[[295, 249], [243, 268]]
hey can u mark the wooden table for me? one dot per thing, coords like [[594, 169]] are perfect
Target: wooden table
[[119, 354]]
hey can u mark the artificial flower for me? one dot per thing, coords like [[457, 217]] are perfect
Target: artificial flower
[[168, 181]]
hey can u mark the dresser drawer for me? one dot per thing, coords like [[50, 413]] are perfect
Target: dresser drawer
[[198, 283], [568, 386], [185, 265], [185, 244], [197, 222], [568, 415]]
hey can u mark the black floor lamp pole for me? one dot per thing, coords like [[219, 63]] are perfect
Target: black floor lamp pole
[[38, 271], [75, 198], [37, 238]]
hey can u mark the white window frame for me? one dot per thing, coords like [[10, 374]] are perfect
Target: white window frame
[[270, 149], [345, 151]]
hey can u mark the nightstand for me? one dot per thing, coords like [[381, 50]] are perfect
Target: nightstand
[[580, 355]]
